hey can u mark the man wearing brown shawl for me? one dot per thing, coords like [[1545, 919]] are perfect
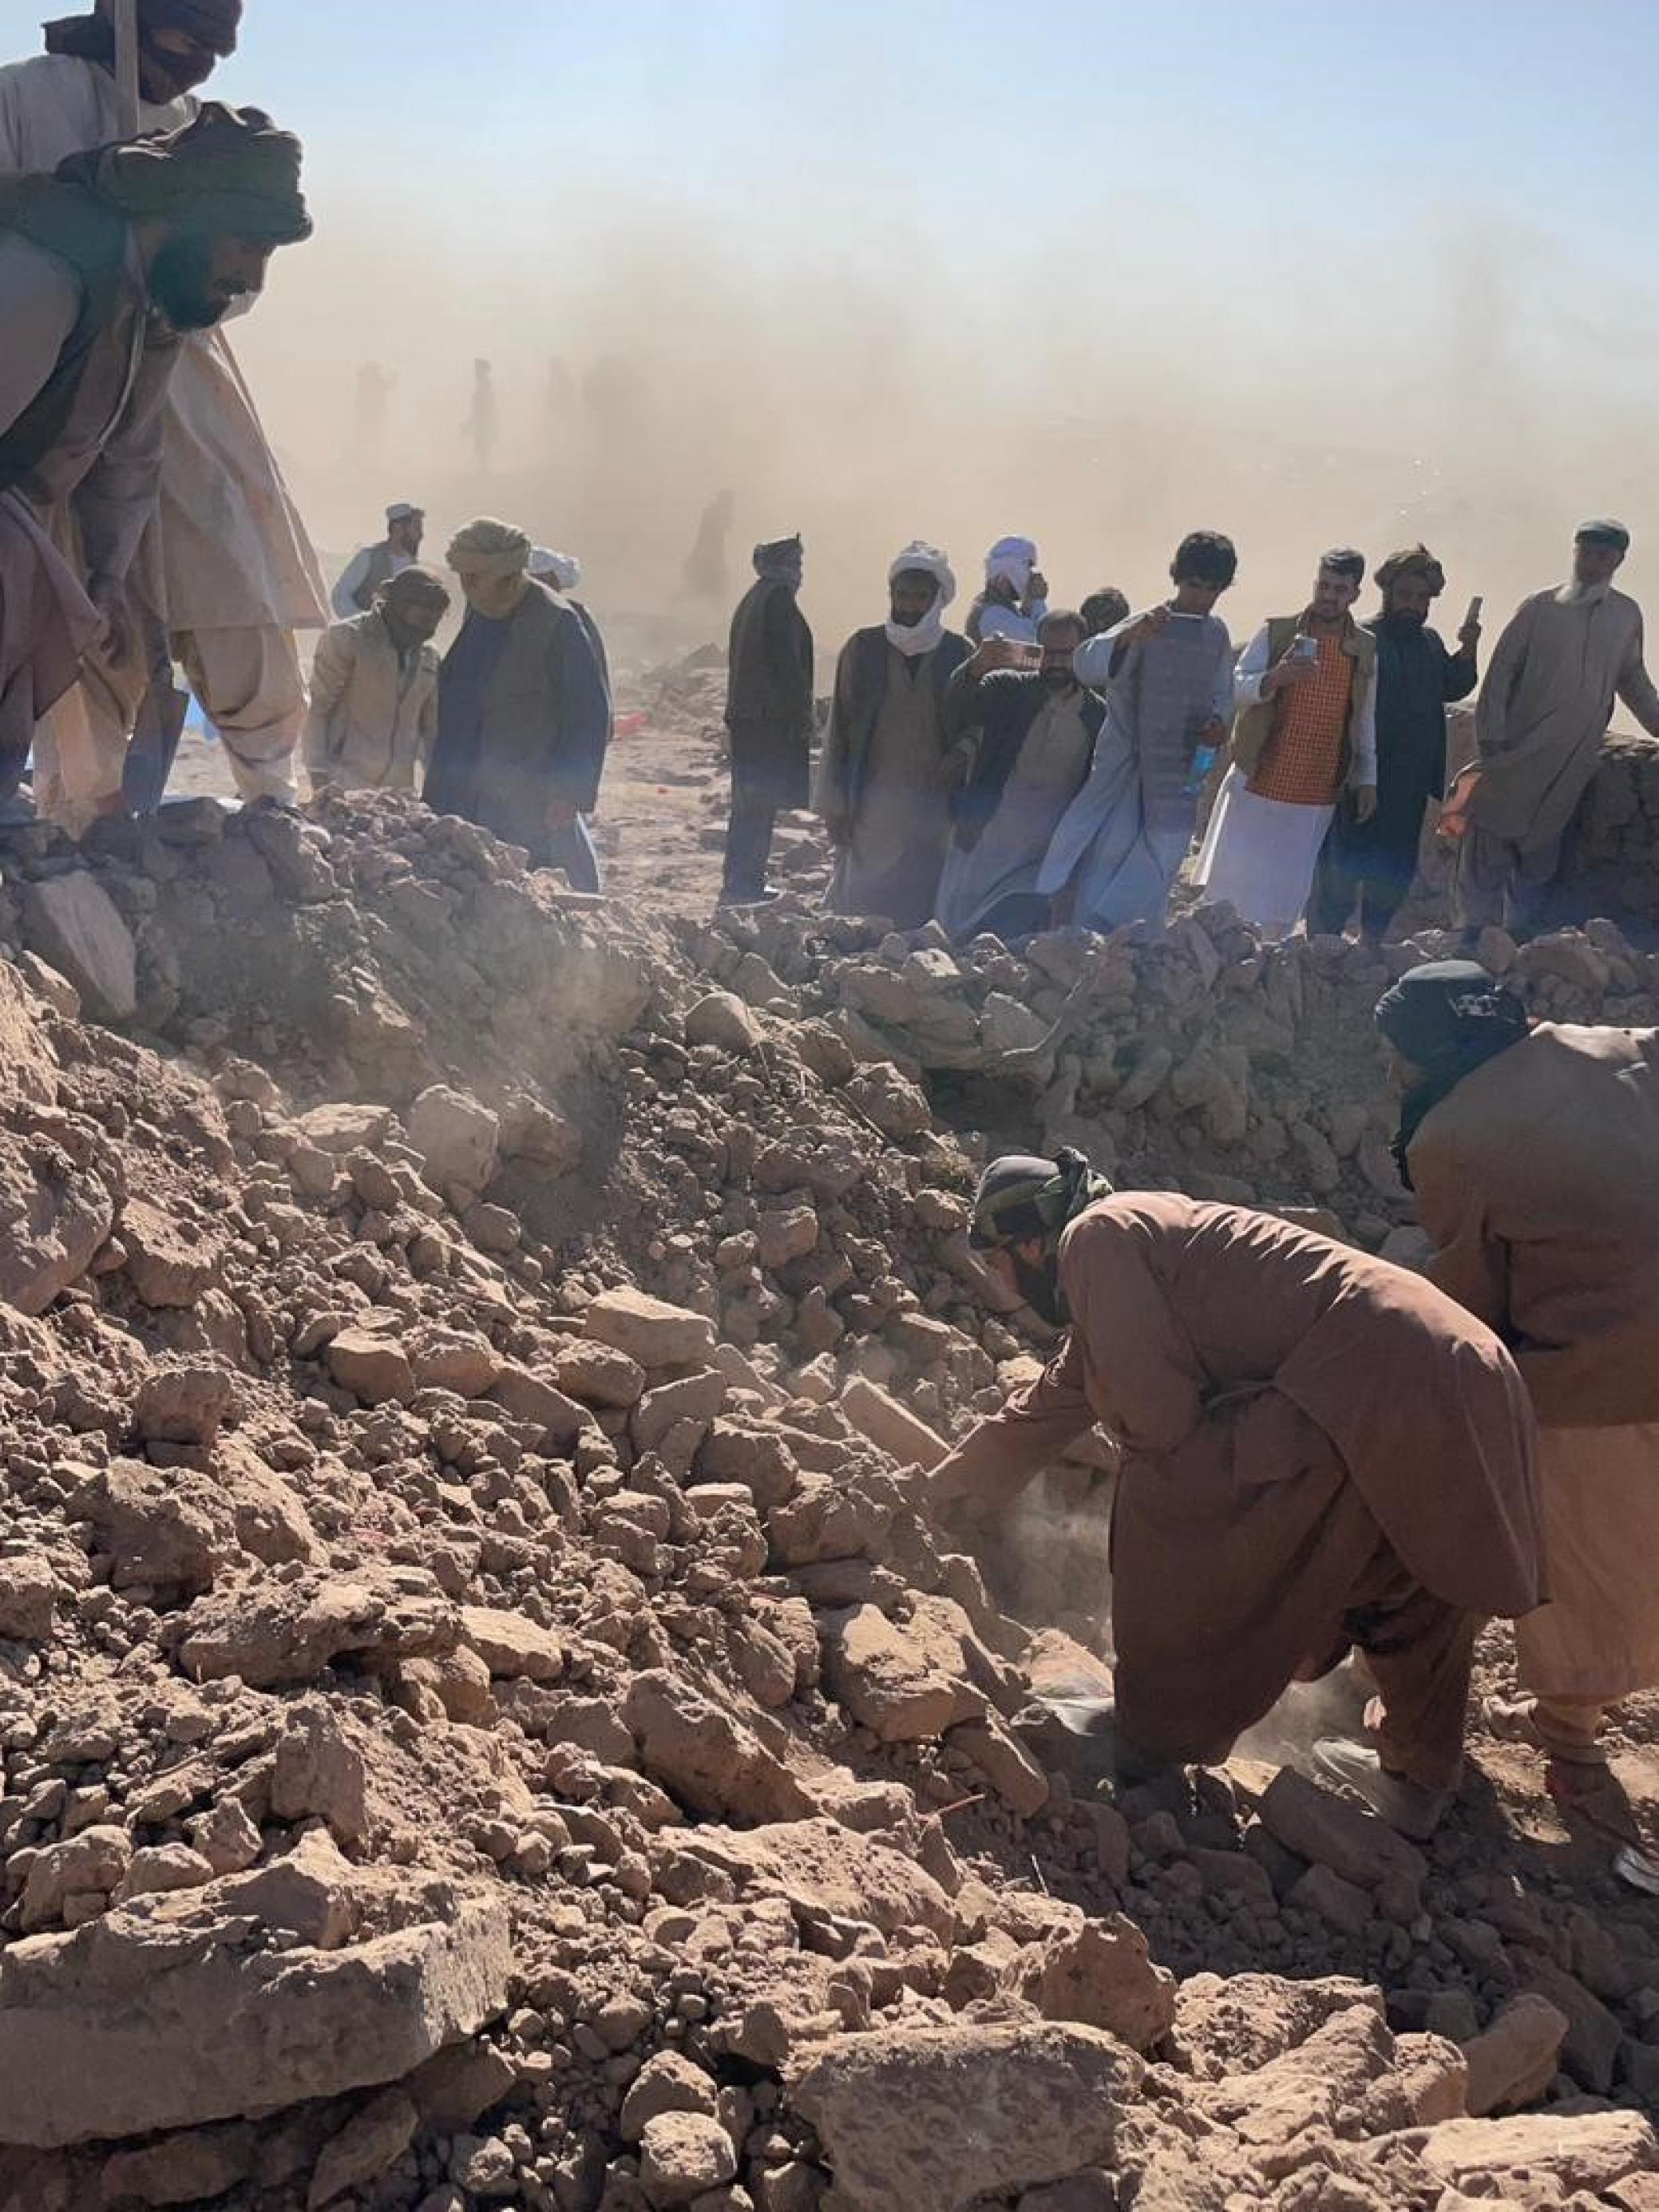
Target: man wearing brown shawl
[[1320, 1452], [103, 267], [1533, 1150], [228, 574]]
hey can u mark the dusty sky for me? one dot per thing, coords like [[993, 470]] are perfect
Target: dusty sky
[[1095, 274]]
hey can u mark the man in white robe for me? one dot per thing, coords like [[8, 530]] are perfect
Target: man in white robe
[[231, 568]]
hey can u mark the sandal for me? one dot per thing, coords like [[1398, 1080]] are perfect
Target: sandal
[[1515, 1720]]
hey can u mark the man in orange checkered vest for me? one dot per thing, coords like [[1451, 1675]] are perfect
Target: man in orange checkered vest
[[1304, 742]]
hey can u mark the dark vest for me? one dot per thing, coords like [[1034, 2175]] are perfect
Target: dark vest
[[66, 219]]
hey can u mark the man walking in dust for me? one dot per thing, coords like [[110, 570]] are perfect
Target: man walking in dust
[[229, 570], [1320, 1452], [768, 715], [1541, 722]]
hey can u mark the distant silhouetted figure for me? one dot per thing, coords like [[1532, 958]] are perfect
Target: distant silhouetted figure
[[375, 388], [482, 424], [705, 574]]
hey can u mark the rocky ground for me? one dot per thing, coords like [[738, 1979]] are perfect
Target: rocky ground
[[484, 1717]]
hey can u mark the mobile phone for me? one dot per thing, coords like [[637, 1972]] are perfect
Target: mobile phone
[[1306, 648], [1474, 614]]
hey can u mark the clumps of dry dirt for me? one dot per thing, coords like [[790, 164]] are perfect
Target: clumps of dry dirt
[[484, 1718]]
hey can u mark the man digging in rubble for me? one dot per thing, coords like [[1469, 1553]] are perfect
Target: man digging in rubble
[[1320, 1452], [1534, 1150], [103, 267], [228, 570]]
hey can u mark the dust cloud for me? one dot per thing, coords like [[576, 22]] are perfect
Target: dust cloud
[[1103, 403]]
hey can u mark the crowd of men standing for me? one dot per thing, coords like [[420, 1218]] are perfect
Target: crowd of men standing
[[1045, 767]]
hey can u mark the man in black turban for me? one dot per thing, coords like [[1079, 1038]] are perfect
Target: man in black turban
[[103, 267], [180, 42]]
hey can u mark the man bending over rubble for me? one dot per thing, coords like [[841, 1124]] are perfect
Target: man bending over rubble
[[1320, 1452]]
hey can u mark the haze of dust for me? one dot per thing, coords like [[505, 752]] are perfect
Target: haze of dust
[[1104, 402]]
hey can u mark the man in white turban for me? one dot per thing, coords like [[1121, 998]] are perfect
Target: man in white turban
[[1016, 595], [881, 784]]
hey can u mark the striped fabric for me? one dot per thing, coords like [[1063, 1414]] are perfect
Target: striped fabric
[[1302, 764]]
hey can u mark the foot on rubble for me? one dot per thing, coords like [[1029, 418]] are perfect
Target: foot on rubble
[[1406, 1806]]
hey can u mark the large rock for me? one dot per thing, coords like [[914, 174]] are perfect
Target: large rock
[[166, 1530], [28, 1597], [646, 1330], [1102, 1977], [1591, 2151], [722, 1020], [170, 1265], [710, 1761], [72, 921], [53, 1218], [271, 1633], [933, 2119], [457, 1138], [1517, 2057], [826, 1872], [1330, 1832], [372, 1366], [164, 2015], [511, 1646], [683, 2156], [886, 1682], [890, 1427]]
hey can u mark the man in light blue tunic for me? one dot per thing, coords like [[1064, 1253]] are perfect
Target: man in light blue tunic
[[1167, 678]]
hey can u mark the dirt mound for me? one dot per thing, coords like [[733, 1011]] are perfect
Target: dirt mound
[[482, 1719]]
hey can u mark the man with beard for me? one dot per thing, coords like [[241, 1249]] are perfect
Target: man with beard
[[370, 570], [1320, 1452], [881, 781], [102, 268], [1167, 680], [523, 712], [228, 570], [1036, 732], [1541, 722], [1374, 863], [374, 691], [770, 711], [1304, 738]]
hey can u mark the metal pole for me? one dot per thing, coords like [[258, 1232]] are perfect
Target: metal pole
[[127, 65]]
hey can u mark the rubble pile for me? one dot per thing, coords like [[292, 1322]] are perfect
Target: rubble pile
[[483, 1720]]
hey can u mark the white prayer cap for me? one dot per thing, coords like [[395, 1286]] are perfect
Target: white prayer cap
[[1011, 561], [401, 511], [563, 570], [930, 560]]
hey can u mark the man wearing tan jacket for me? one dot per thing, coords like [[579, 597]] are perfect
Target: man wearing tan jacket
[[374, 691]]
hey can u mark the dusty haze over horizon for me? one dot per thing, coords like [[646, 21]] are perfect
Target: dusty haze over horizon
[[889, 274]]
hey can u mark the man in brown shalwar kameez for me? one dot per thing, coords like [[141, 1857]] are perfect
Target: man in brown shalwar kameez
[[1320, 1452], [1534, 1150]]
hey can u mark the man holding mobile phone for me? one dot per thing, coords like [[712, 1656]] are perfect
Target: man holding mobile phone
[[1304, 740], [1374, 864]]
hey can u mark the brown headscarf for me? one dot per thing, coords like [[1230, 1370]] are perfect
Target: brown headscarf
[[209, 23], [231, 170]]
